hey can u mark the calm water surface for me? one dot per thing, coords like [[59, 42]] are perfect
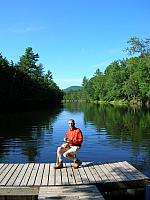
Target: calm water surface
[[110, 134]]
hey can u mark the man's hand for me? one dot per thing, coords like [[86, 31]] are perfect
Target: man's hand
[[68, 140]]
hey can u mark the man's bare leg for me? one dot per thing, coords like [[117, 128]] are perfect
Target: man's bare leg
[[60, 151], [69, 156]]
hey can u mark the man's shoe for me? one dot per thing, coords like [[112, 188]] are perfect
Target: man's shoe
[[59, 165], [76, 164]]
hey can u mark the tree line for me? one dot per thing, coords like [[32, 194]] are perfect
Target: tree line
[[25, 83], [125, 81]]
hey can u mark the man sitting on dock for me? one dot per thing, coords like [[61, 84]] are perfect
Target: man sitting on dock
[[73, 139]]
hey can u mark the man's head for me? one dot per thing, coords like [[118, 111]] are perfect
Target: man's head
[[71, 123]]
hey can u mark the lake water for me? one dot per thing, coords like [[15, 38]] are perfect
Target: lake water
[[110, 134]]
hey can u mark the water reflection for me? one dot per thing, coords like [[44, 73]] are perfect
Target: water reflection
[[120, 127], [110, 133], [21, 134]]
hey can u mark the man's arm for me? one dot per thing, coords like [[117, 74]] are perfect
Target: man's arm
[[79, 138]]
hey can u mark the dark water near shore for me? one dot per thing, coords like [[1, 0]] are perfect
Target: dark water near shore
[[110, 134]]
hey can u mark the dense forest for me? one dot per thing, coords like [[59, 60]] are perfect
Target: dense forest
[[123, 81], [24, 84]]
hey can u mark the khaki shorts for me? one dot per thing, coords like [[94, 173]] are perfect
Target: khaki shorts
[[71, 149]]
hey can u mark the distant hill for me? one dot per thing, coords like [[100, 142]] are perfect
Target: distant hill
[[72, 88]]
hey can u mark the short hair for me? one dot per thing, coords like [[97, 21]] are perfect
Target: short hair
[[72, 121]]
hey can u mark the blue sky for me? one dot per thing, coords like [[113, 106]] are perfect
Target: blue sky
[[72, 37]]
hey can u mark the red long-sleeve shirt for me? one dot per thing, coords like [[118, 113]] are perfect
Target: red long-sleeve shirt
[[75, 135]]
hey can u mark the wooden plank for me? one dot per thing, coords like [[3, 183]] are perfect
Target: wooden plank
[[39, 175], [113, 173], [129, 172], [15, 175], [9, 174], [71, 178], [89, 173], [1, 165], [33, 175], [135, 171], [18, 191], [76, 192], [51, 177], [58, 177], [94, 172], [120, 176], [101, 174], [83, 175], [3, 168], [126, 171], [21, 175], [110, 178], [64, 174], [6, 169], [45, 175], [77, 176], [26, 177], [108, 174]]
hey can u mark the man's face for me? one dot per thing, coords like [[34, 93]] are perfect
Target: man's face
[[71, 124]]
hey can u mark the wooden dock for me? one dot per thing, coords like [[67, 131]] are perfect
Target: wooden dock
[[31, 178]]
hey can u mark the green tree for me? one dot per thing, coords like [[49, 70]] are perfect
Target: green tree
[[138, 46], [144, 85], [27, 63], [4, 63], [99, 85], [48, 75], [127, 79], [84, 81], [115, 75], [38, 71], [137, 85]]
